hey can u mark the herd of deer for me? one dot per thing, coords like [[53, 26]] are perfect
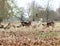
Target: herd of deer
[[25, 24]]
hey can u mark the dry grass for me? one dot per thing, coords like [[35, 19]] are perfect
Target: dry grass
[[35, 35]]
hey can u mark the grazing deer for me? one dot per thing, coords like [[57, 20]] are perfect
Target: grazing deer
[[25, 20], [26, 24], [50, 24]]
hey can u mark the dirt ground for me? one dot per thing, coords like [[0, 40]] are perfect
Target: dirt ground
[[30, 36]]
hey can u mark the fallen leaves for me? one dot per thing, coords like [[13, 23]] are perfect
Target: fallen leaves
[[29, 36], [20, 38]]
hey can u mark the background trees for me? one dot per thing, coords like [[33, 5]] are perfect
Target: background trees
[[5, 10], [9, 9], [36, 11]]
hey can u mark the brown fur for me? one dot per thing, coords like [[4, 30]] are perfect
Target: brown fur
[[26, 24], [50, 24]]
